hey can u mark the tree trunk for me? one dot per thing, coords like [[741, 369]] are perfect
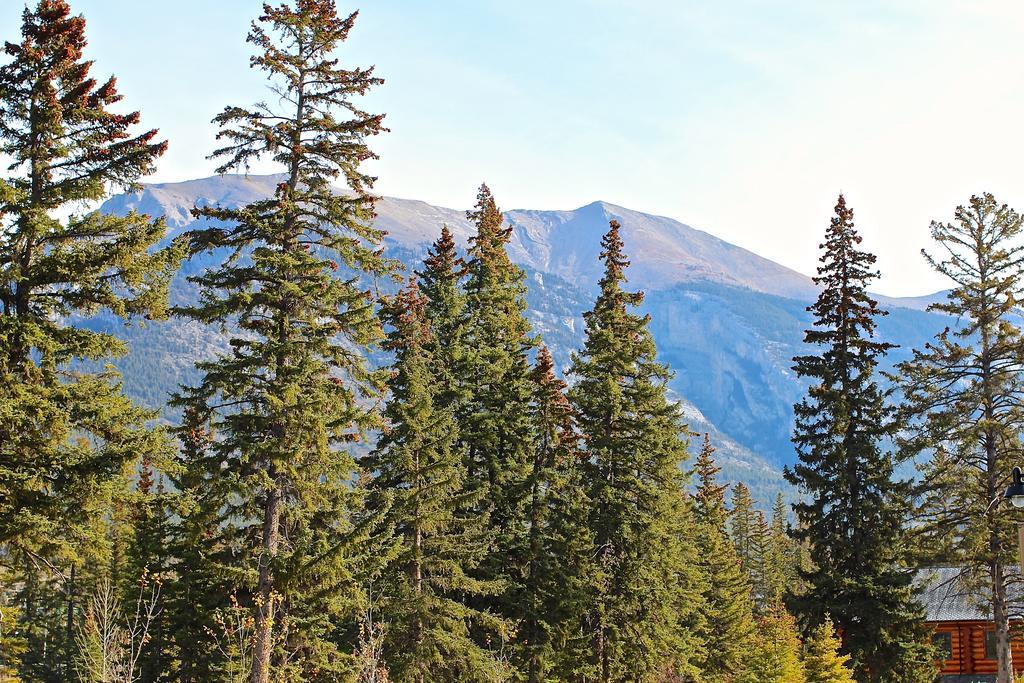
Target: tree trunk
[[533, 629], [418, 573], [69, 628], [602, 649], [1000, 613], [264, 629]]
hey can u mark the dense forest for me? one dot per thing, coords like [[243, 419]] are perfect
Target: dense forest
[[460, 510]]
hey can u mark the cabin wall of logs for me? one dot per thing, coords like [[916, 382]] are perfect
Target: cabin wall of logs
[[970, 647]]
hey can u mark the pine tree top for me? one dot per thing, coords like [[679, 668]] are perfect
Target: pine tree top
[[442, 260], [489, 222], [615, 333], [406, 313], [710, 495], [779, 512], [741, 497], [824, 663], [495, 287], [844, 313], [550, 393], [982, 259], [615, 264], [55, 119], [544, 376]]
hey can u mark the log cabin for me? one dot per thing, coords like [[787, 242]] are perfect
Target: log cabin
[[964, 631]]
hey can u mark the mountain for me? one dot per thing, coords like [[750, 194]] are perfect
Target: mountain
[[664, 252], [725, 319]]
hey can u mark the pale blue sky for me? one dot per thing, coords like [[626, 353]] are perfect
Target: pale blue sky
[[741, 117]]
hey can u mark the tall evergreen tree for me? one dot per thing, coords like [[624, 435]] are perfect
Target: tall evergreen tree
[[964, 392], [420, 482], [855, 509], [760, 568], [780, 558], [647, 587], [559, 558], [291, 394], [495, 369], [727, 606], [66, 146], [742, 526], [493, 376], [147, 563], [68, 435], [196, 592], [440, 282]]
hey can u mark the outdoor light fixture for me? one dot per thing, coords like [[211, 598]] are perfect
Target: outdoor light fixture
[[1015, 491], [1015, 494]]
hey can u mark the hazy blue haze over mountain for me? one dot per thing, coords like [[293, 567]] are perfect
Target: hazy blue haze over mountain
[[726, 320]]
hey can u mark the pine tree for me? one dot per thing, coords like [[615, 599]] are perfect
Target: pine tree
[[760, 567], [964, 391], [647, 587], [854, 508], [727, 609], [559, 564], [493, 376], [742, 525], [420, 482], [294, 389], [68, 435], [775, 656], [779, 559], [441, 284], [823, 662], [147, 564], [196, 590], [67, 147], [495, 370]]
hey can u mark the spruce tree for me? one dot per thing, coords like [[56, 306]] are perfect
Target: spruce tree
[[147, 564], [559, 558], [823, 663], [854, 508], [66, 146], [495, 369], [775, 655], [493, 376], [647, 585], [727, 606], [778, 563], [760, 566], [440, 281], [196, 591], [420, 483], [68, 435], [742, 525], [294, 390], [964, 393]]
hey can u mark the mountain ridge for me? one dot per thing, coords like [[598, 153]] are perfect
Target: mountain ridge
[[725, 319], [666, 250]]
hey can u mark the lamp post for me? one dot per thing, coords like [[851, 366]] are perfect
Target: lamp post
[[1015, 494]]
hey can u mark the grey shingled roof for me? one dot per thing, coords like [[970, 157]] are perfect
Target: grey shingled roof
[[948, 594], [946, 598]]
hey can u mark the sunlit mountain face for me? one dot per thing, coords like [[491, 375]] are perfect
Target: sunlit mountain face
[[726, 320]]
